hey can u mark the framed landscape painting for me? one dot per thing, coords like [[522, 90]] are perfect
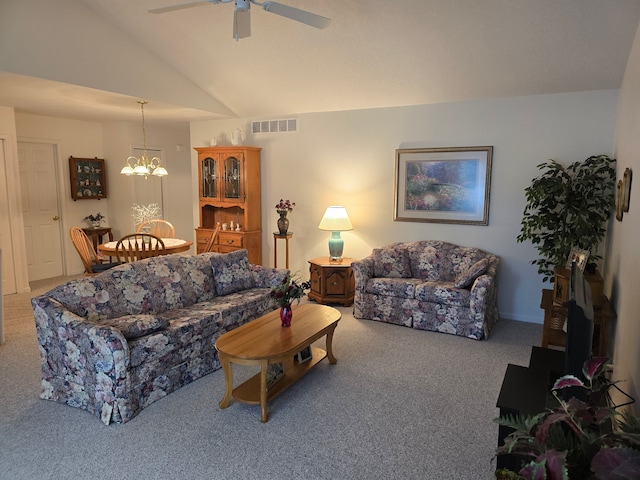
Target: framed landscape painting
[[443, 185]]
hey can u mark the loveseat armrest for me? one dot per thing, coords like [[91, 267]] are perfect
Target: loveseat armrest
[[484, 296], [362, 271], [83, 364], [267, 277]]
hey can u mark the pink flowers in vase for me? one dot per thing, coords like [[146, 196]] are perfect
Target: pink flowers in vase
[[285, 206]]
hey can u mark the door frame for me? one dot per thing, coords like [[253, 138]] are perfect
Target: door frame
[[12, 175], [60, 189]]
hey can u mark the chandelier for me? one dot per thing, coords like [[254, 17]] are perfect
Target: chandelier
[[142, 165]]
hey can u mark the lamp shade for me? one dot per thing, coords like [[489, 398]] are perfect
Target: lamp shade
[[160, 171], [335, 219]]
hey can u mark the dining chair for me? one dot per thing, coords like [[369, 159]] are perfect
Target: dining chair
[[93, 261], [158, 227], [212, 241], [136, 246]]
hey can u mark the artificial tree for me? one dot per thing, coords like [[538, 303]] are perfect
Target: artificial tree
[[568, 207]]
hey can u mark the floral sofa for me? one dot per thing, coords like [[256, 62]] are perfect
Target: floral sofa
[[116, 342], [429, 285]]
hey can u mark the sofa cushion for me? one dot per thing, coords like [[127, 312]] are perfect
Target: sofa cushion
[[465, 278], [443, 293], [391, 263], [393, 287], [425, 259], [135, 326], [231, 272]]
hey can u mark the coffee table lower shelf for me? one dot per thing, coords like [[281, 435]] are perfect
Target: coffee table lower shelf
[[249, 391], [246, 345]]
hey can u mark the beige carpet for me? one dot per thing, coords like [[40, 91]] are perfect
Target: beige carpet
[[400, 404]]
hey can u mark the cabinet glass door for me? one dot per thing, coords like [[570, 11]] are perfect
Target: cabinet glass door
[[209, 178], [233, 178]]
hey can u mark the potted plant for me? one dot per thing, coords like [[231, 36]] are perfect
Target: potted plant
[[284, 207], [568, 207], [95, 220], [578, 439], [283, 295]]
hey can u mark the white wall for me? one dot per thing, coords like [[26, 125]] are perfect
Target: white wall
[[112, 141], [71, 138], [173, 141], [623, 272], [98, 49], [348, 158], [12, 240]]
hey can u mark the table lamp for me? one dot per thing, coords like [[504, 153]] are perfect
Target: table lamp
[[335, 220]]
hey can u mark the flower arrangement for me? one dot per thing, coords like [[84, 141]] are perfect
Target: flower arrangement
[[285, 206], [97, 218], [290, 289], [142, 213]]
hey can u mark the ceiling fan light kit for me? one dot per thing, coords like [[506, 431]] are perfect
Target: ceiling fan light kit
[[242, 19]]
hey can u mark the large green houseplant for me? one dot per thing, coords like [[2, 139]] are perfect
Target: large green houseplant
[[568, 207]]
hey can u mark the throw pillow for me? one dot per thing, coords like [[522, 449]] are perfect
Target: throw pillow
[[135, 326], [466, 278], [231, 272], [391, 263]]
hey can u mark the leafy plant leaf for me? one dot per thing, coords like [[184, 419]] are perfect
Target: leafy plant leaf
[[593, 367], [568, 207], [567, 381], [617, 463], [551, 465]]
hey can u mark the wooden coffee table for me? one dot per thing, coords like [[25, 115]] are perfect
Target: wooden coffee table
[[264, 341]]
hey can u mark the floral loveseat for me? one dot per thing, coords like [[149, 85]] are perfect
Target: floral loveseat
[[429, 285], [115, 342]]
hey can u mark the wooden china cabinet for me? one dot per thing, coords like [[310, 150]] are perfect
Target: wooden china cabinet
[[229, 193]]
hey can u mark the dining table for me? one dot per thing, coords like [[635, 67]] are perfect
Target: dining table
[[171, 245]]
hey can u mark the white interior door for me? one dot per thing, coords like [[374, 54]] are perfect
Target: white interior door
[[6, 246], [39, 189]]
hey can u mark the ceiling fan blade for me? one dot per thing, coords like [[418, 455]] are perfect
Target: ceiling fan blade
[[181, 6], [241, 23], [296, 14]]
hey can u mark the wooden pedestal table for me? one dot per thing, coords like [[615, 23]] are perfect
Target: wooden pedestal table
[[96, 234], [171, 245], [264, 341], [281, 236], [555, 316]]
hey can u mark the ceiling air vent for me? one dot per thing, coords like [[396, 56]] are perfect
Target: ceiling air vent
[[275, 126]]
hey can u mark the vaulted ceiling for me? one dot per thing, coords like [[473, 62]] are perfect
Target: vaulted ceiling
[[91, 59]]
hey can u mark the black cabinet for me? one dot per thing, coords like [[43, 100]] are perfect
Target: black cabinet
[[527, 390]]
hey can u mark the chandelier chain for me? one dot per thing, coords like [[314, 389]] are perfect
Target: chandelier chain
[[144, 131]]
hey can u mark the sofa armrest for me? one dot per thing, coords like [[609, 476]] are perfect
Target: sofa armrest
[[83, 363], [266, 277], [362, 271], [484, 291]]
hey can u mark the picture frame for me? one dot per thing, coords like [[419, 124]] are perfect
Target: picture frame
[[619, 194], [443, 185], [579, 256], [623, 194], [304, 355], [88, 178], [626, 189]]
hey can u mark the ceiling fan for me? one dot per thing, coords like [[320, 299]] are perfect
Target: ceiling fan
[[242, 20]]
